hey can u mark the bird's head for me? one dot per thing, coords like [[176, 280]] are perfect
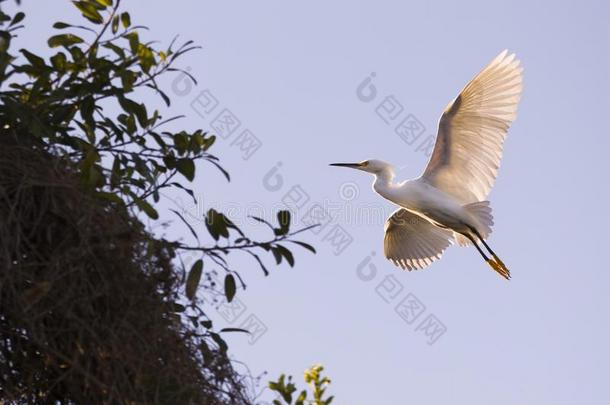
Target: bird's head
[[373, 166]]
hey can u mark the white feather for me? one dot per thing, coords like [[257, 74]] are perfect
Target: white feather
[[472, 130]]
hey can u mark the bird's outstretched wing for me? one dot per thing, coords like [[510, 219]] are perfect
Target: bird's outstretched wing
[[472, 129], [411, 242]]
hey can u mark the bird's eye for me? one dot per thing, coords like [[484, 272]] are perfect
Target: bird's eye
[[365, 163]]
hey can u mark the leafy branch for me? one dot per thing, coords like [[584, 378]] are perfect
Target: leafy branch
[[317, 385], [64, 105]]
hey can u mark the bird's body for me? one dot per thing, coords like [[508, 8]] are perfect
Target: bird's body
[[447, 202], [424, 200]]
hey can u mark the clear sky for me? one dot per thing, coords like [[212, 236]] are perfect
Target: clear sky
[[289, 72]]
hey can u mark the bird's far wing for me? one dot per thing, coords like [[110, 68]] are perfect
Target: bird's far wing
[[472, 129], [411, 242]]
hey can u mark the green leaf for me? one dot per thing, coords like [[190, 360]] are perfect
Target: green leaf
[[208, 142], [35, 60], [197, 142], [17, 19], [61, 25], [90, 158], [222, 345], [287, 254], [137, 109], [59, 62], [130, 124], [186, 167], [146, 57], [78, 56], [126, 20], [304, 245], [116, 49], [87, 109], [262, 221], [115, 24], [301, 398], [277, 255], [222, 170], [217, 224], [115, 176], [181, 142], [141, 114], [187, 190], [261, 264], [147, 208], [109, 197], [5, 43], [65, 40], [187, 224], [89, 11], [234, 330], [230, 287], [134, 41], [104, 3], [283, 218], [287, 395], [192, 281], [164, 96]]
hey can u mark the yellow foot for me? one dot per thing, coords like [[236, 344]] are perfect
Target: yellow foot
[[499, 267], [501, 263]]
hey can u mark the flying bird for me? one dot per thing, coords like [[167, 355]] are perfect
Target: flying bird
[[448, 202]]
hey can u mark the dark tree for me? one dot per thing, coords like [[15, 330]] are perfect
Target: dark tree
[[93, 307]]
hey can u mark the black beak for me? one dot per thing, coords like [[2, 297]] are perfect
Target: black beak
[[352, 165]]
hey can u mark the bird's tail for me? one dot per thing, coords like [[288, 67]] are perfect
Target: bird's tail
[[481, 214]]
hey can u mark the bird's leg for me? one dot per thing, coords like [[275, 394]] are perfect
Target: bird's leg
[[495, 256], [487, 259], [499, 268], [505, 272]]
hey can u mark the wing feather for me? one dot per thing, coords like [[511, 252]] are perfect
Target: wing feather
[[411, 242], [472, 130]]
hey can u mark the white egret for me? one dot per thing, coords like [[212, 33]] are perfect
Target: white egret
[[447, 202]]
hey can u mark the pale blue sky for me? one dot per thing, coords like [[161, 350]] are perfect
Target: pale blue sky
[[289, 72]]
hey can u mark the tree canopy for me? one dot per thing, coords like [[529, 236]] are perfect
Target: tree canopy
[[93, 307]]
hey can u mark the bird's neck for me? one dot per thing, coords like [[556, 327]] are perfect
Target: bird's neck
[[384, 182]]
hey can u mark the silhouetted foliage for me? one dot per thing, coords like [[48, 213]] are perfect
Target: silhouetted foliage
[[93, 307]]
